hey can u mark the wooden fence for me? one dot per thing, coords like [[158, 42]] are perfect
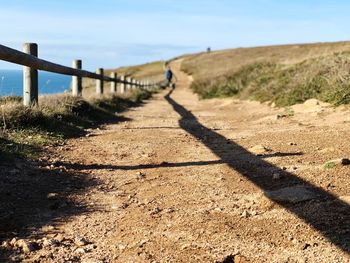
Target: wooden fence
[[29, 59]]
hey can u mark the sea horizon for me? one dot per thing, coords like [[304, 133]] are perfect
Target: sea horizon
[[11, 83]]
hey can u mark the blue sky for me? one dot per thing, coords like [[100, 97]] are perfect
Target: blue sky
[[112, 33]]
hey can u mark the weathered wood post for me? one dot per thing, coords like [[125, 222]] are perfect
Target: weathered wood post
[[122, 84], [77, 87], [128, 85], [99, 82], [132, 83], [30, 78], [113, 83]]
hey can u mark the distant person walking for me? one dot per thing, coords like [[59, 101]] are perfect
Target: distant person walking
[[169, 75]]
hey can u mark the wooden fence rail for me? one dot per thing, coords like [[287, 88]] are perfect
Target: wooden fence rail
[[29, 59]]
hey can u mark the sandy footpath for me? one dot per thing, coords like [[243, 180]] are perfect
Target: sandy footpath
[[184, 180]]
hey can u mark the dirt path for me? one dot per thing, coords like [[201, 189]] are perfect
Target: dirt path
[[176, 183]]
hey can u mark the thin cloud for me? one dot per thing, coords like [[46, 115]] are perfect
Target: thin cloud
[[123, 32]]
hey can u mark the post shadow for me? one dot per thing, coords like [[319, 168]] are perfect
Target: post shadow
[[95, 166], [77, 166], [32, 197], [333, 222]]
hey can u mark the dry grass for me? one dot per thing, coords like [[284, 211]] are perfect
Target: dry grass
[[24, 130], [283, 74], [63, 107], [210, 65], [151, 71]]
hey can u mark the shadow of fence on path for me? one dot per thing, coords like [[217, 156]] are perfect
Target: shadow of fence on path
[[164, 164], [32, 196], [333, 222]]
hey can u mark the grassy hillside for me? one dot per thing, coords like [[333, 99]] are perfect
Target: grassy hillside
[[151, 71], [24, 131], [283, 74]]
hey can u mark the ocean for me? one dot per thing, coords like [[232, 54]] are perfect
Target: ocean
[[11, 83]]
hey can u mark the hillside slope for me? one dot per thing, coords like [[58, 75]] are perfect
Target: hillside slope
[[283, 74], [153, 72]]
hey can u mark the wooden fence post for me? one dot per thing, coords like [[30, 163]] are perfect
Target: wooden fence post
[[128, 86], [77, 87], [113, 83], [30, 78], [122, 84], [99, 82]]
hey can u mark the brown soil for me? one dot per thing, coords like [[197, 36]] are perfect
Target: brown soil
[[178, 183]]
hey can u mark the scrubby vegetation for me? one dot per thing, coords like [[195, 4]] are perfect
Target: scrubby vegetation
[[326, 78], [152, 71], [268, 77], [24, 130]]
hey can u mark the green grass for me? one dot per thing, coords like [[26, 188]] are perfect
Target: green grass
[[330, 165], [24, 131]]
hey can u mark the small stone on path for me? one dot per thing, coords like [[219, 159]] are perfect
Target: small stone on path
[[26, 246], [80, 241], [140, 175], [276, 176], [294, 194], [259, 149], [245, 214]]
